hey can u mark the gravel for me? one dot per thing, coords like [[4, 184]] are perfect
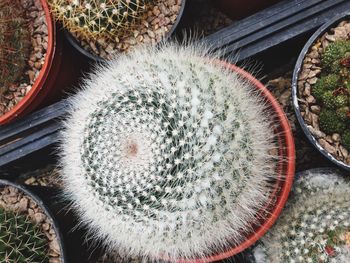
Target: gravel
[[309, 108], [15, 200], [48, 176], [39, 39], [306, 155], [158, 22]]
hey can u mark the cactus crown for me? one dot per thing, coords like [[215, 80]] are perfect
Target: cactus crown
[[91, 19], [14, 42], [315, 226], [21, 241], [166, 152], [333, 90]]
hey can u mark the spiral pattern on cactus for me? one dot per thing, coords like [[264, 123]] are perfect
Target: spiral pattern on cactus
[[315, 226], [21, 241], [14, 42], [167, 153], [91, 19]]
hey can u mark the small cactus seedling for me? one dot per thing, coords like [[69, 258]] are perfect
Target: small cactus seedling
[[169, 154], [332, 90], [21, 241], [92, 19], [315, 225], [14, 42]]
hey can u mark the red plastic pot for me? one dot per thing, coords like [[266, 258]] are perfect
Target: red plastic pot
[[57, 72], [286, 170], [237, 9]]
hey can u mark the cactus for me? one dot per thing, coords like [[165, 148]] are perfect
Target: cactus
[[334, 53], [330, 123], [14, 42], [326, 83], [168, 153], [332, 89], [21, 240], [315, 225], [92, 19]]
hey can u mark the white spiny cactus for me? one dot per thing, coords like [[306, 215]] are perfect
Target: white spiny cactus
[[168, 154], [315, 226]]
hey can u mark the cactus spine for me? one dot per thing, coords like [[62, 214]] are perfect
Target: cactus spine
[[21, 241], [168, 153], [14, 42], [315, 226], [91, 19]]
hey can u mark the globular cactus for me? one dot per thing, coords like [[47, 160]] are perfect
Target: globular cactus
[[167, 153], [315, 225], [332, 89], [92, 19], [14, 42], [21, 241], [334, 53]]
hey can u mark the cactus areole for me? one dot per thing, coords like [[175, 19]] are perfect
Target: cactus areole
[[169, 154]]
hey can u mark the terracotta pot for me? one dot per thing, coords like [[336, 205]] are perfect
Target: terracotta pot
[[45, 86], [237, 9], [284, 181]]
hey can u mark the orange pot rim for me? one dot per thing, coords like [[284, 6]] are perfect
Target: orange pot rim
[[39, 83], [289, 171]]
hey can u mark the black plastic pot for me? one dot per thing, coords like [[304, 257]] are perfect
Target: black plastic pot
[[322, 30], [73, 41], [45, 209]]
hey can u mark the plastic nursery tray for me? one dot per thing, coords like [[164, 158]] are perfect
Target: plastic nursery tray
[[272, 38], [278, 31]]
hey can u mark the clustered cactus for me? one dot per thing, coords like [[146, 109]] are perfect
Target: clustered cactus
[[21, 241], [168, 154], [333, 90], [14, 42], [315, 225], [92, 19]]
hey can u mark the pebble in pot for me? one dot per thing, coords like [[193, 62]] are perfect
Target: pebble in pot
[[170, 154]]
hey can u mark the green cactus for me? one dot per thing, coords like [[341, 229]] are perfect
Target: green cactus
[[21, 241], [315, 226], [330, 123], [14, 42], [332, 90], [334, 52], [328, 82], [343, 113], [92, 19]]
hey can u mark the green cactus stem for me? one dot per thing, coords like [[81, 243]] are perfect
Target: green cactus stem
[[21, 241], [92, 19]]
